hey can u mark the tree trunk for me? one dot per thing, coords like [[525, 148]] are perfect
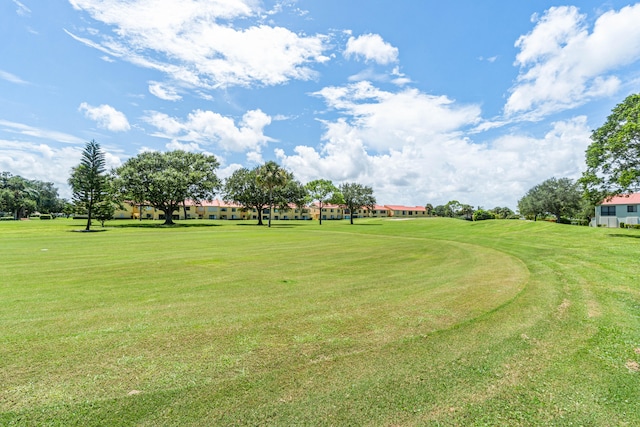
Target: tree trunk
[[168, 219], [270, 206], [320, 216], [90, 208]]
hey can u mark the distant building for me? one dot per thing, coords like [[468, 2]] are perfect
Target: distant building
[[618, 209], [399, 211]]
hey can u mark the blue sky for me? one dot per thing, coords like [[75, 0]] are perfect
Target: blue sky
[[424, 101]]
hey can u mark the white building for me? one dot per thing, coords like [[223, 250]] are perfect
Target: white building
[[618, 209]]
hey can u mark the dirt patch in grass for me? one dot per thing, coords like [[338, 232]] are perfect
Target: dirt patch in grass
[[562, 308], [632, 365]]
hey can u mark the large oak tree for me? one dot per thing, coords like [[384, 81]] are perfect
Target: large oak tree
[[559, 197], [166, 180], [356, 196], [242, 188]]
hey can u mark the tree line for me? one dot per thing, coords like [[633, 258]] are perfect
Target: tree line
[[166, 181], [21, 197]]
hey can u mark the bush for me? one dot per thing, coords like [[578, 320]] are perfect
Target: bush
[[563, 221], [481, 214], [622, 225], [6, 218], [45, 216]]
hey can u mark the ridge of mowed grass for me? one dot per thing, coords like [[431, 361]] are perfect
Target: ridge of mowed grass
[[385, 322]]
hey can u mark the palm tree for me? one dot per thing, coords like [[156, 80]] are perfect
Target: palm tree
[[273, 178]]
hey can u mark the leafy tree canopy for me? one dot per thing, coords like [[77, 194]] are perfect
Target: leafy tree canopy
[[558, 197], [22, 196], [323, 191], [166, 180], [242, 188], [613, 158], [356, 196]]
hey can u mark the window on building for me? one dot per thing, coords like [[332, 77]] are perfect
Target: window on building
[[632, 208], [608, 210]]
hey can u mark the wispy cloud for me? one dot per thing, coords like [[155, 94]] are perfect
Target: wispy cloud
[[163, 91], [52, 135], [4, 75], [22, 10]]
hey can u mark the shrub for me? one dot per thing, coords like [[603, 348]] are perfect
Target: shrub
[[481, 214], [6, 218], [563, 221], [45, 216], [622, 225]]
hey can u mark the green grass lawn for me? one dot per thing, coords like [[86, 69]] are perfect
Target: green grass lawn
[[417, 322]]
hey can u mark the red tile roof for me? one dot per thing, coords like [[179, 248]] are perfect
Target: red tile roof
[[377, 208], [630, 199], [405, 208], [215, 203]]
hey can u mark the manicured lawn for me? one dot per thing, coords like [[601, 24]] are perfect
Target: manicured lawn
[[385, 322]]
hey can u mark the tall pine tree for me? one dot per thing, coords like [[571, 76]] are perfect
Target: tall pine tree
[[89, 180]]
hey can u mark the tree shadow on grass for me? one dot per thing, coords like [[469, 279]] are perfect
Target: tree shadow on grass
[[265, 225], [162, 225], [631, 236]]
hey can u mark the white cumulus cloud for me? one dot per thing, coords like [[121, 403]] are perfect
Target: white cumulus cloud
[[414, 148], [210, 128], [195, 42], [371, 47], [106, 117], [392, 119], [564, 63]]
